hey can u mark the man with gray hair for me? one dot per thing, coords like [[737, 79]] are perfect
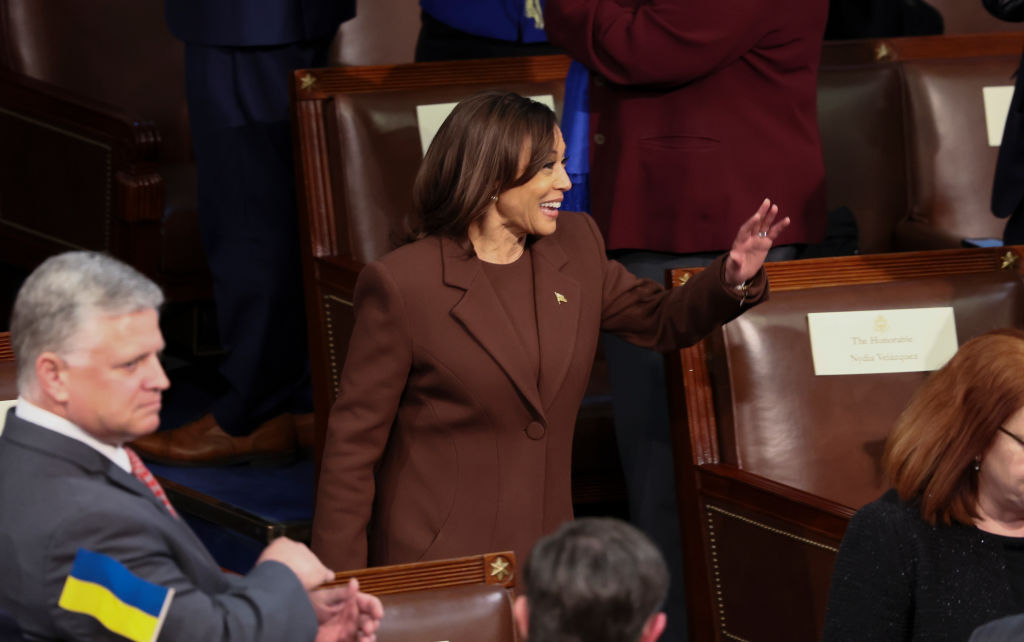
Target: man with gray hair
[[593, 580], [79, 508]]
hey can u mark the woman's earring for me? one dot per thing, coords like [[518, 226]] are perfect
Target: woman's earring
[[494, 198], [977, 464]]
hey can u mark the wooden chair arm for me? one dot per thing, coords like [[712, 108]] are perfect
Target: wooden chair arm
[[489, 568]]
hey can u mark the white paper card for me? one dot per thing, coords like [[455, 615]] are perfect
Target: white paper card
[[997, 106], [4, 405], [430, 117], [876, 341]]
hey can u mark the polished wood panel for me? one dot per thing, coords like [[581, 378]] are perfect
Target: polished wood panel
[[8, 370]]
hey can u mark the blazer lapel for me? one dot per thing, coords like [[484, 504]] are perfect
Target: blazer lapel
[[57, 445], [558, 303], [480, 313]]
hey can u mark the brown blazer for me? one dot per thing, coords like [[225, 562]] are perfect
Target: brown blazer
[[441, 443]]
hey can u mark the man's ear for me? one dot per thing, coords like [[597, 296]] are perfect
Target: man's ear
[[654, 627], [521, 612], [51, 375]]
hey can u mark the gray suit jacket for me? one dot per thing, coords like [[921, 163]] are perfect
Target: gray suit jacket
[[58, 495]]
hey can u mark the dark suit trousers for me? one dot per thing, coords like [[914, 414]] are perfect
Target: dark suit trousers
[[239, 114]]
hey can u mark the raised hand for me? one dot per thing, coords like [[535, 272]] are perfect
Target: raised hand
[[752, 243]]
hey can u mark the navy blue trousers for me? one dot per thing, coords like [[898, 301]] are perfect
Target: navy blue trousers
[[240, 122]]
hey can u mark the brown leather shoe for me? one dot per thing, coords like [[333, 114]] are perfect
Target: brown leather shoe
[[203, 443]]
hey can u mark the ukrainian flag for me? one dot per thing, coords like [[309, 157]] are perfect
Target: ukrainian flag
[[103, 588]]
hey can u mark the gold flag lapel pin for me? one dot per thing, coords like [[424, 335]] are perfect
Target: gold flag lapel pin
[[560, 298]]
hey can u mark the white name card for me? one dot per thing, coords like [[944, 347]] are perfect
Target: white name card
[[430, 117], [4, 405], [997, 106], [876, 341]]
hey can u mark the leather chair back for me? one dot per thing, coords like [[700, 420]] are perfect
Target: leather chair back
[[116, 52], [860, 116], [463, 598], [825, 434], [480, 612], [376, 150], [772, 460], [953, 164]]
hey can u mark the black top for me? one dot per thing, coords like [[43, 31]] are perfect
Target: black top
[[898, 578], [1013, 551]]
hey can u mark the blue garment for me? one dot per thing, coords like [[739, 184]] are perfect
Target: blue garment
[[252, 23], [500, 19], [576, 131], [238, 57]]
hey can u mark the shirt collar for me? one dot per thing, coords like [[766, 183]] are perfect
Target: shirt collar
[[44, 418]]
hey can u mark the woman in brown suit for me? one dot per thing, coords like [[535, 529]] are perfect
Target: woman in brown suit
[[472, 347]]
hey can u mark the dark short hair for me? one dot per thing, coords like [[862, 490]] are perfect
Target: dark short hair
[[593, 580], [952, 419], [476, 155]]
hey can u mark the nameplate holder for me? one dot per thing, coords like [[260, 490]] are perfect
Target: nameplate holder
[[997, 106], [431, 117], [5, 404], [880, 341]]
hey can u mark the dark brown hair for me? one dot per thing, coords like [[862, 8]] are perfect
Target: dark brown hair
[[951, 420], [593, 580], [476, 155]]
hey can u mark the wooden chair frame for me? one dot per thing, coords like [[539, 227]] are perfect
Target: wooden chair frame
[[329, 270], [703, 478]]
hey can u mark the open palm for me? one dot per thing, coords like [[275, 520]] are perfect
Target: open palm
[[752, 243]]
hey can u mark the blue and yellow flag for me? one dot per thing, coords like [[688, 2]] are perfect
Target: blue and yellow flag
[[128, 605]]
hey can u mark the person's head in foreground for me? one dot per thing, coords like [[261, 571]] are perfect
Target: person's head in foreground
[[593, 580], [494, 172], [86, 336], [959, 445]]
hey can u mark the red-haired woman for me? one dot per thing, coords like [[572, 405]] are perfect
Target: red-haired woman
[[943, 551]]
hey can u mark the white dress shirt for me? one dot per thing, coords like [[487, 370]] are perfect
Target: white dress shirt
[[30, 412]]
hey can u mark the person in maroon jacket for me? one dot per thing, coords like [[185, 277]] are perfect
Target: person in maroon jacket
[[696, 109]]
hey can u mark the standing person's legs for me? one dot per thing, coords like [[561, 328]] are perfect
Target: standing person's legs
[[642, 432], [240, 120]]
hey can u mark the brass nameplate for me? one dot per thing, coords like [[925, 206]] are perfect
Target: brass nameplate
[[4, 405]]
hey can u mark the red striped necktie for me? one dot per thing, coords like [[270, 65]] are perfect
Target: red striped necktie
[[146, 477]]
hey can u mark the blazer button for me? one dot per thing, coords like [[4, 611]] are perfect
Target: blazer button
[[599, 138], [534, 430]]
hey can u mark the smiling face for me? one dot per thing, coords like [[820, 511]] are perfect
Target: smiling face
[[532, 208], [111, 381]]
